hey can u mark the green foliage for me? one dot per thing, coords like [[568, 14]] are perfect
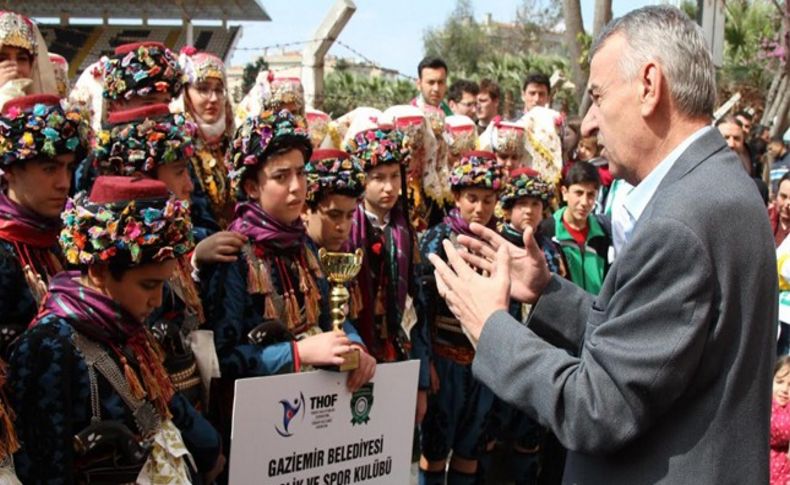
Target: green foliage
[[344, 91], [747, 25], [689, 7], [251, 70]]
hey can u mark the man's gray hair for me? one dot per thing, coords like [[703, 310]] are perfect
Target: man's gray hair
[[665, 34]]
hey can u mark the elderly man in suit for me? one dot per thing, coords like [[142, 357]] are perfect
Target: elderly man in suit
[[664, 377]]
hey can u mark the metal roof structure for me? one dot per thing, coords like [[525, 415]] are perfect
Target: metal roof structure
[[225, 10]]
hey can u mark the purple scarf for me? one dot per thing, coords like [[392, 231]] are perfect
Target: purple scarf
[[401, 246], [459, 225], [252, 221], [90, 313], [19, 224]]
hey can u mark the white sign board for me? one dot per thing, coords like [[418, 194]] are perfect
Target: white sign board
[[302, 429]]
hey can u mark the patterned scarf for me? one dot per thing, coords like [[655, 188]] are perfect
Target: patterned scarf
[[276, 247], [460, 226], [100, 318], [35, 240], [398, 241], [252, 221]]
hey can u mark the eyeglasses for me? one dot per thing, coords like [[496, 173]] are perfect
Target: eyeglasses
[[205, 92], [468, 104]]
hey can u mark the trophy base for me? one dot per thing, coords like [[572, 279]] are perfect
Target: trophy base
[[350, 362]]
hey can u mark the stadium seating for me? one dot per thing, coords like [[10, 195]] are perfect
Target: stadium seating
[[82, 45]]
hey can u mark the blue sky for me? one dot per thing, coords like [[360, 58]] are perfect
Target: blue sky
[[385, 31]]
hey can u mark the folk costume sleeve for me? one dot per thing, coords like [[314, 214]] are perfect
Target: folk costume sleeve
[[49, 394], [232, 313]]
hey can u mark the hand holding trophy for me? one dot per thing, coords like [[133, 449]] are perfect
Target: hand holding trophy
[[340, 268]]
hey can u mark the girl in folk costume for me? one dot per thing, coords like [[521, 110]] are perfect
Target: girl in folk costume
[[381, 228], [508, 142], [205, 101], [426, 190], [93, 400], [524, 202], [335, 184], [459, 406], [40, 144], [272, 93], [24, 64], [269, 310], [168, 146]]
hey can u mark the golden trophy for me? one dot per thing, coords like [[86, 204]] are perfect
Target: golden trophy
[[340, 268]]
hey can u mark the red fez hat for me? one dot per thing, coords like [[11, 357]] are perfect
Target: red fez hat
[[328, 154], [128, 115], [108, 189], [127, 48], [26, 102]]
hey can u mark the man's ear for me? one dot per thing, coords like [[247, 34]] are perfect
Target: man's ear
[[564, 192], [651, 82]]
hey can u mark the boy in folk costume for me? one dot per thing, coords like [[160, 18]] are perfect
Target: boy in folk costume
[[87, 378], [151, 142], [40, 144], [269, 310], [381, 228], [204, 100], [459, 407], [525, 203], [25, 68], [335, 184]]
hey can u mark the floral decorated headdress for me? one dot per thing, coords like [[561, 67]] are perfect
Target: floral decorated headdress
[[460, 133], [140, 69], [318, 124], [199, 66], [271, 93], [525, 182], [143, 139], [477, 169], [331, 171], [37, 126], [508, 138], [61, 67], [254, 140], [380, 146], [543, 141], [125, 221], [17, 31]]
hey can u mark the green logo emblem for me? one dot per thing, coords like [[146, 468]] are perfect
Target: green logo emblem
[[361, 404]]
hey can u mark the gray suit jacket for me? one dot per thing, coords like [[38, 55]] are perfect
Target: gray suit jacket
[[665, 377]]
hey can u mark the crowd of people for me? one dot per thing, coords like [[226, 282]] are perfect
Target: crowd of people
[[158, 243]]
